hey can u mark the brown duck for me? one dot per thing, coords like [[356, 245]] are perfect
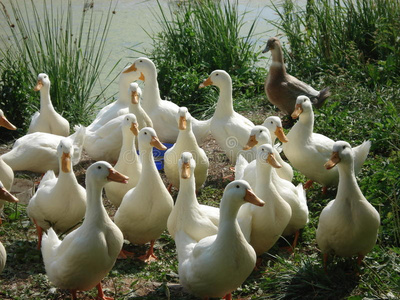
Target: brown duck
[[282, 89]]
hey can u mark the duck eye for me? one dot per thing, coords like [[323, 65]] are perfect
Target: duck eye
[[145, 133], [237, 186], [140, 60], [99, 167], [344, 147], [260, 130], [272, 122], [216, 74]]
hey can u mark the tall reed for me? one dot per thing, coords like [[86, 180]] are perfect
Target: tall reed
[[356, 36], [196, 38], [69, 48]]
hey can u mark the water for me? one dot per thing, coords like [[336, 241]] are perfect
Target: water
[[133, 18]]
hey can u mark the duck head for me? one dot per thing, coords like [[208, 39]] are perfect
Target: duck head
[[142, 65], [65, 151], [147, 135], [341, 151], [42, 81], [265, 154], [183, 118], [272, 44], [303, 103], [129, 123], [135, 92], [102, 172], [240, 192], [217, 78], [186, 165], [258, 135], [274, 125]]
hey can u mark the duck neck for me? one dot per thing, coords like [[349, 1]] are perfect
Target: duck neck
[[149, 169], [187, 191], [277, 67], [263, 174], [151, 92], [128, 149], [347, 180], [228, 228], [225, 102], [124, 82], [306, 120], [45, 100], [186, 137], [95, 211]]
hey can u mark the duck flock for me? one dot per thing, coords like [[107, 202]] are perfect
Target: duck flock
[[257, 207]]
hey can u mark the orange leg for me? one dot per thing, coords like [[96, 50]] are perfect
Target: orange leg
[[326, 262], [228, 297], [308, 184], [324, 190], [100, 294], [39, 233], [296, 238], [232, 176], [149, 256], [360, 259], [169, 188], [73, 294], [1, 221], [124, 254]]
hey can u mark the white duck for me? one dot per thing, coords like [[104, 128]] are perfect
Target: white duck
[[218, 264], [37, 152], [116, 108], [105, 143], [274, 125], [186, 142], [4, 196], [262, 227], [60, 202], [6, 173], [259, 135], [162, 112], [47, 119], [135, 107], [144, 210], [308, 151], [128, 162], [88, 253], [349, 224], [198, 221], [230, 129]]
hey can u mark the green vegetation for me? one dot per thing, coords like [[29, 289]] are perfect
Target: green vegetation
[[53, 41], [201, 37], [365, 84]]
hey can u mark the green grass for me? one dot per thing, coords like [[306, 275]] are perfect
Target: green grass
[[68, 47], [196, 38]]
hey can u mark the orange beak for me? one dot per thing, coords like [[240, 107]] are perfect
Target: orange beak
[[135, 129], [134, 97], [6, 124], [273, 162], [66, 162], [252, 198], [182, 123], [333, 161], [281, 135], [297, 111], [132, 68], [251, 142], [206, 82], [142, 78], [185, 172], [38, 86], [155, 142], [7, 196], [117, 176]]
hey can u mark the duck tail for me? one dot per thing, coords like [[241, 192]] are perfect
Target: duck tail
[[49, 175], [50, 243], [322, 96], [241, 164], [301, 193], [360, 155], [78, 139]]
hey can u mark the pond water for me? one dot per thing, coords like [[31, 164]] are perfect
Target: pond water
[[133, 18]]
